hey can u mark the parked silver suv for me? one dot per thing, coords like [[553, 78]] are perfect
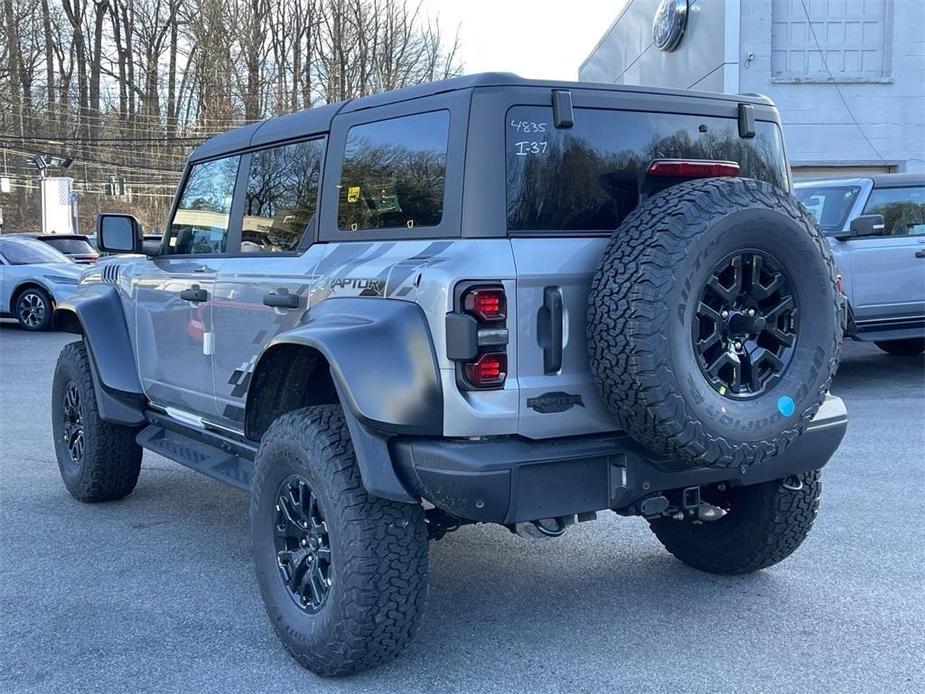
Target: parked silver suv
[[486, 300], [876, 227]]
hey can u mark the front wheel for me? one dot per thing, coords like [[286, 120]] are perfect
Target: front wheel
[[33, 309], [343, 574], [98, 460], [903, 348], [763, 525]]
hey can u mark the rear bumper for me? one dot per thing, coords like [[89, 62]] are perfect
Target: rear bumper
[[510, 479]]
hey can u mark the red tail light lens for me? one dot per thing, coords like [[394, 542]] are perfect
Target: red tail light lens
[[487, 305], [489, 371], [692, 168]]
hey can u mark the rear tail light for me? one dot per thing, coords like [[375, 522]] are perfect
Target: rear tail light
[[692, 168], [486, 305], [489, 371], [477, 336]]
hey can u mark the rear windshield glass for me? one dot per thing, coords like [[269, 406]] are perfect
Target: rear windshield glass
[[72, 246], [830, 205], [585, 178]]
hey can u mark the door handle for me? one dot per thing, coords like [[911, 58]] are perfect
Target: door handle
[[281, 299], [549, 329], [194, 294], [920, 254]]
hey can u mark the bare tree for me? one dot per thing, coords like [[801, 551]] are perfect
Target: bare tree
[[126, 87]]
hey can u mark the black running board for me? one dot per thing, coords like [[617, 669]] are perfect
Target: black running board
[[211, 454]]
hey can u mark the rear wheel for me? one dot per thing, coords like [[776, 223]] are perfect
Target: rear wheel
[[33, 308], [763, 524], [903, 348], [98, 460], [343, 574]]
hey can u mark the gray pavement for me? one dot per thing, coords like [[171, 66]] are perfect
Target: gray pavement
[[156, 592]]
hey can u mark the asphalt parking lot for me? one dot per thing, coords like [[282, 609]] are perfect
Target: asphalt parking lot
[[156, 592]]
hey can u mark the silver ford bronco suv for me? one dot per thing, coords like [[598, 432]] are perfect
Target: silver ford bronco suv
[[484, 300]]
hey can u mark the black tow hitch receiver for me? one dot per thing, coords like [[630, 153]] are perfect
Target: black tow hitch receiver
[[671, 504], [690, 498]]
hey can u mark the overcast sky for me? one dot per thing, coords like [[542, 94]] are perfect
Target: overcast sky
[[540, 39]]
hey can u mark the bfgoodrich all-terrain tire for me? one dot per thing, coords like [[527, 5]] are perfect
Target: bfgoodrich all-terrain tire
[[903, 348], [98, 460], [764, 524], [343, 574], [713, 324]]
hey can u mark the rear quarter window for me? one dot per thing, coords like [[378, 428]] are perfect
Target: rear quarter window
[[585, 178], [394, 173]]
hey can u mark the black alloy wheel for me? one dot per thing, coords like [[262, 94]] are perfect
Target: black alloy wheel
[[73, 429], [303, 549], [746, 328]]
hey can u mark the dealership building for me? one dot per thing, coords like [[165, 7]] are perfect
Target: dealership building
[[847, 75]]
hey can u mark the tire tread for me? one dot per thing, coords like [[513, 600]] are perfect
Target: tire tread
[[386, 541]]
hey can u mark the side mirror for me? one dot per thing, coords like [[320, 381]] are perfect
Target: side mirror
[[867, 225], [118, 233]]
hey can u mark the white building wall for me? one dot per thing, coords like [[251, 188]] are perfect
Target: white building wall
[[626, 53], [884, 86], [874, 48]]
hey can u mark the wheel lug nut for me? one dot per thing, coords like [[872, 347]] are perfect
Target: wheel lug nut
[[751, 312], [724, 314], [738, 345], [304, 543]]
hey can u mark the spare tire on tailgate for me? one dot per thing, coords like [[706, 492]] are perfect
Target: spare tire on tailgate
[[713, 325]]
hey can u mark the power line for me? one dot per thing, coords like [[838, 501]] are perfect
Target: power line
[[825, 64], [136, 167], [90, 141]]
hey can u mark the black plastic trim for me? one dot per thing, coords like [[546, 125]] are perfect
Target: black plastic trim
[[209, 453], [746, 121], [563, 115], [462, 342], [382, 360], [101, 321], [512, 479]]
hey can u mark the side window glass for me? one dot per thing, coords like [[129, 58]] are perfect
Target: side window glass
[[282, 196], [200, 224], [903, 210], [394, 173]]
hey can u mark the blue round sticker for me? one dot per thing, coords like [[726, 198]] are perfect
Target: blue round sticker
[[785, 405]]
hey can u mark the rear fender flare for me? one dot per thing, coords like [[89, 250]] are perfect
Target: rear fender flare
[[382, 362]]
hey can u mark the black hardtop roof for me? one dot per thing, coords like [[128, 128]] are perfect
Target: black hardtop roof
[[318, 119]]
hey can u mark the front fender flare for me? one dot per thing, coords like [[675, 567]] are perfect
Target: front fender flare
[[95, 312]]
